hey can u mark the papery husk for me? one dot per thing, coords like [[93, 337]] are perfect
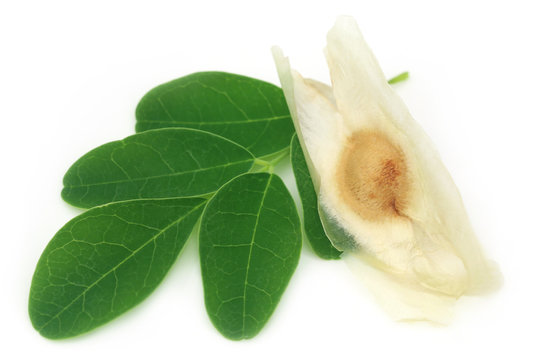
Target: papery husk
[[422, 260]]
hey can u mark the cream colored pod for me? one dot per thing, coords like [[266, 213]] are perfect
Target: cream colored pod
[[385, 198]]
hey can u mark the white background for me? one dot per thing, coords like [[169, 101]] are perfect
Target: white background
[[72, 72]]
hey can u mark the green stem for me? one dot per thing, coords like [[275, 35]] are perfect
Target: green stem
[[399, 78], [280, 157], [261, 165]]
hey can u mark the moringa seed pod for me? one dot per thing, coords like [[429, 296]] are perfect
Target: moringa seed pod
[[385, 197]]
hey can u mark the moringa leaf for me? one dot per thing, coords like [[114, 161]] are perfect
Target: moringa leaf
[[107, 260], [155, 164], [313, 227], [250, 241], [251, 112]]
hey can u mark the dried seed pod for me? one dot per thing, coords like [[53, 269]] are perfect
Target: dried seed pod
[[385, 197]]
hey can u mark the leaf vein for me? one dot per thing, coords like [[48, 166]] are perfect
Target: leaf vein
[[158, 176], [130, 256], [250, 252]]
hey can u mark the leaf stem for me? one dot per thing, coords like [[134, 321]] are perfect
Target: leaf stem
[[399, 78], [268, 164], [282, 155]]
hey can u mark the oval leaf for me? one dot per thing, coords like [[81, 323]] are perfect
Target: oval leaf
[[106, 261], [250, 241], [155, 164], [251, 112], [313, 227]]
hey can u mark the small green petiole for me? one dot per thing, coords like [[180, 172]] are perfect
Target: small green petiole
[[399, 78], [268, 164], [260, 165]]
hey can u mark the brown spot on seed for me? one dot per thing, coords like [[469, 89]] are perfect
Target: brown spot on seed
[[372, 176]]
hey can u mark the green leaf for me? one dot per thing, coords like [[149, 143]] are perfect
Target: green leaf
[[251, 112], [250, 241], [106, 261], [155, 164], [313, 227]]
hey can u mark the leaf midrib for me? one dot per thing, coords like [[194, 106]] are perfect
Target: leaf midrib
[[250, 252], [229, 122], [157, 176], [153, 238]]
